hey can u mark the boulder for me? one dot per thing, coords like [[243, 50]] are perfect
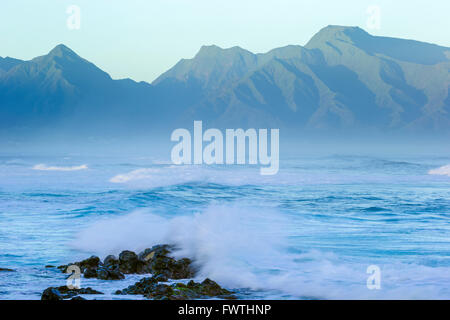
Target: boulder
[[90, 273], [143, 286], [156, 260], [51, 294], [129, 262], [150, 288], [111, 272], [89, 263], [111, 260], [63, 292]]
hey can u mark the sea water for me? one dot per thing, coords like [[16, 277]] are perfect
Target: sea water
[[309, 232]]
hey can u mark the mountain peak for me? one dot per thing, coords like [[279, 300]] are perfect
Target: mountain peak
[[62, 51], [213, 50], [334, 32]]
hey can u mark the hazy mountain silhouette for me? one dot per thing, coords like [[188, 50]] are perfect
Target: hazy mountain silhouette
[[344, 79]]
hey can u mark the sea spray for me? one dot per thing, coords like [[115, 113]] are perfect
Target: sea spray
[[249, 248]]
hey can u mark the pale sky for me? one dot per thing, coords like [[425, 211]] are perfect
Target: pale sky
[[140, 39]]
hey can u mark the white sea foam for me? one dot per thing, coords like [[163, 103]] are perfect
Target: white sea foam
[[247, 247], [443, 171], [231, 175], [44, 167]]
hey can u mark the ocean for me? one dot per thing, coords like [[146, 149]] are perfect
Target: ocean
[[309, 232]]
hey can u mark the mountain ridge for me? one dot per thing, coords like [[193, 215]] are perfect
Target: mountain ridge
[[343, 79]]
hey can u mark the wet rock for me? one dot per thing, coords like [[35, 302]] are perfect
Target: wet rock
[[143, 286], [111, 260], [161, 278], [50, 266], [129, 262], [211, 288], [90, 273], [78, 298], [94, 268], [7, 270], [150, 288], [51, 294], [109, 273], [64, 292], [161, 292], [63, 268], [89, 263], [157, 261]]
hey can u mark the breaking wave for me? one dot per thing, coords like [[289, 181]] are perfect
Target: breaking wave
[[248, 248], [43, 167], [443, 171]]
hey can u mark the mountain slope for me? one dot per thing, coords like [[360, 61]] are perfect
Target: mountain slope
[[61, 88], [343, 80]]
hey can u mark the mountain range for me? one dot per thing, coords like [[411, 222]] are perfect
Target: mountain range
[[342, 80]]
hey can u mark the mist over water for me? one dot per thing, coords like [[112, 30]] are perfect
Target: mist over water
[[308, 232]]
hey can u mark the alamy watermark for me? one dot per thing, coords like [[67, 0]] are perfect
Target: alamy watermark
[[74, 19], [73, 281], [374, 280], [219, 151], [374, 17]]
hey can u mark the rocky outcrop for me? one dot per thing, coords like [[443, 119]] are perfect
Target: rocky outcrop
[[152, 289], [51, 294], [155, 261], [7, 270], [63, 292]]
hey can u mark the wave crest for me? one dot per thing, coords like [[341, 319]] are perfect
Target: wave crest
[[247, 247], [44, 167], [442, 171]]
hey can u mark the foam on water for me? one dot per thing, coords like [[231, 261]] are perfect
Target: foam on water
[[162, 176], [442, 171], [249, 247], [44, 167], [311, 231]]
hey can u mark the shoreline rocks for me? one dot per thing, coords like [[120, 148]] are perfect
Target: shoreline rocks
[[63, 292], [155, 261], [152, 289]]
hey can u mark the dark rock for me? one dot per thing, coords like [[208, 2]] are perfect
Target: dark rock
[[63, 268], [160, 291], [66, 292], [89, 263], [49, 266], [129, 262], [157, 261], [143, 286], [111, 261], [150, 288], [51, 294], [7, 270], [78, 298], [211, 288], [109, 273], [90, 273], [161, 278]]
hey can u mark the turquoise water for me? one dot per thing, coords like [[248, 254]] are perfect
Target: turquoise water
[[309, 232]]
